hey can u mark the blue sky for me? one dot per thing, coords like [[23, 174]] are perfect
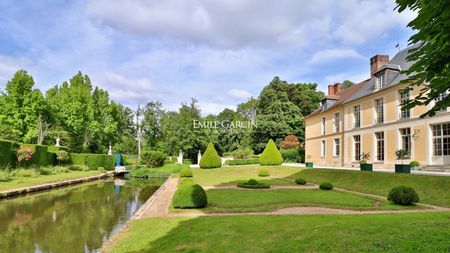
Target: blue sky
[[220, 52]]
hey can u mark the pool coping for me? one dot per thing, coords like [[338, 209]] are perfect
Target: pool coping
[[47, 186]]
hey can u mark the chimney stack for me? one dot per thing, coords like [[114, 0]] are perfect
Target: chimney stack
[[334, 88], [377, 62]]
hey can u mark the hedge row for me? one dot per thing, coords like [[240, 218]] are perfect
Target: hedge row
[[7, 153], [242, 161], [93, 161]]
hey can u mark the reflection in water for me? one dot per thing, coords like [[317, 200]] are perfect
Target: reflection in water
[[75, 219]]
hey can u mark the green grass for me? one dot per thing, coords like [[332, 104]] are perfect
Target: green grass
[[407, 232], [231, 200], [21, 182], [431, 189], [231, 175]]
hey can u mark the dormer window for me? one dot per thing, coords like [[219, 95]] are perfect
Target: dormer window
[[381, 81], [324, 105]]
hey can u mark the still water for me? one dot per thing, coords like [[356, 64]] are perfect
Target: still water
[[73, 219]]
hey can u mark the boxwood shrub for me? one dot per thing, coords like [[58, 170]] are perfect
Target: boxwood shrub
[[189, 195], [326, 186], [153, 158], [210, 158], [186, 173], [41, 156], [263, 173], [403, 195], [290, 155], [253, 184], [271, 155], [300, 181]]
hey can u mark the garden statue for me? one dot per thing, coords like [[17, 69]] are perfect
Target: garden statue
[[110, 149], [199, 157], [57, 142], [180, 157]]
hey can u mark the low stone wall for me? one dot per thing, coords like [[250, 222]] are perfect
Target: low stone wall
[[42, 187]]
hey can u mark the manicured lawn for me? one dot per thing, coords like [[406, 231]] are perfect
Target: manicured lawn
[[431, 189], [230, 200], [21, 182], [408, 232], [230, 175]]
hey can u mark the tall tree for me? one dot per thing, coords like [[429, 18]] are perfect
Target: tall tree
[[20, 107], [347, 84], [431, 54], [151, 124]]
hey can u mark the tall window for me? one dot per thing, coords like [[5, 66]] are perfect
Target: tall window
[[405, 135], [404, 98], [323, 149], [379, 112], [441, 139], [337, 147], [380, 145], [440, 97], [337, 122], [357, 116], [323, 126], [357, 147], [381, 82]]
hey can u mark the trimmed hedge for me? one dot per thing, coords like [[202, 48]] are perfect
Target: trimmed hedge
[[271, 155], [403, 195], [326, 186], [290, 155], [54, 149], [186, 173], [242, 161], [253, 184], [41, 155], [93, 161], [210, 158], [190, 195], [8, 156], [153, 158], [300, 181], [263, 173]]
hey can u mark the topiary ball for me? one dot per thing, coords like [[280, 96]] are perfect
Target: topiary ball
[[300, 181], [252, 182], [263, 173], [186, 173], [271, 155], [326, 186], [403, 195], [210, 158], [190, 195]]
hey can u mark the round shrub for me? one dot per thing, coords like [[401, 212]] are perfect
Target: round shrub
[[300, 181], [271, 155], [290, 155], [326, 186], [186, 173], [210, 158], [153, 158], [253, 184], [403, 195], [263, 173], [190, 196]]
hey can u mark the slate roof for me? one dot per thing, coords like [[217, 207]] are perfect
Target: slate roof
[[393, 76]]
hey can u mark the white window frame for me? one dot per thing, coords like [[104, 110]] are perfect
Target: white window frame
[[337, 147], [355, 157], [359, 116], [380, 81], [404, 114], [377, 140], [443, 151], [376, 107], [402, 145], [337, 123]]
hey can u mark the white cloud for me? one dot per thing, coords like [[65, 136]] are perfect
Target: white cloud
[[223, 23], [334, 54], [239, 93], [213, 108], [9, 65]]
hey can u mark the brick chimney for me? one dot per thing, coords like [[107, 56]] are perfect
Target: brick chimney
[[377, 62], [334, 88]]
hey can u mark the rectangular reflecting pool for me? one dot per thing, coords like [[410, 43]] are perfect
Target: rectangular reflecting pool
[[73, 219]]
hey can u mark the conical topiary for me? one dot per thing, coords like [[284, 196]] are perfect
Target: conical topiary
[[271, 155], [210, 158]]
